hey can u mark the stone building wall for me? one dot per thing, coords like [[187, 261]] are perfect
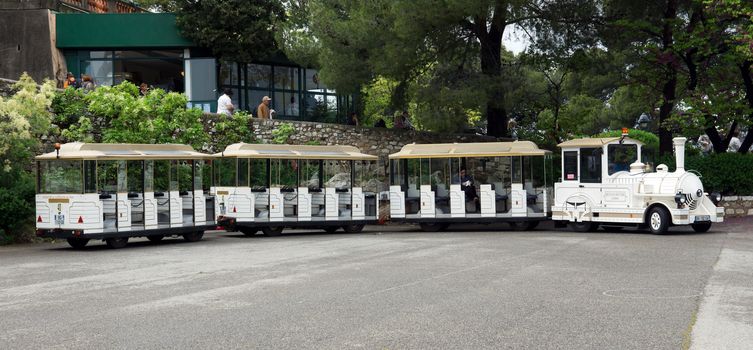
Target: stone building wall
[[737, 206]]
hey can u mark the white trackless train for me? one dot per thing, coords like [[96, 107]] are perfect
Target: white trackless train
[[116, 191]]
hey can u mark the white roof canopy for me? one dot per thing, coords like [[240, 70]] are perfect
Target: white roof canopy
[[476, 149], [272, 151], [120, 151]]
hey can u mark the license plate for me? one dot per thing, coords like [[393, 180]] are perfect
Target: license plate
[[59, 219], [702, 218]]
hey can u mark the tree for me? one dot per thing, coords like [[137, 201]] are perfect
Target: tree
[[400, 40], [235, 30]]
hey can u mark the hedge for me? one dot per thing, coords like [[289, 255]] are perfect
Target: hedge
[[727, 173]]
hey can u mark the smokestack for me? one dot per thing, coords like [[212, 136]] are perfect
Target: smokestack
[[679, 143]]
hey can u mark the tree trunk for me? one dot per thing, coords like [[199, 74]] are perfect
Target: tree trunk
[[748, 81], [491, 67], [669, 89]]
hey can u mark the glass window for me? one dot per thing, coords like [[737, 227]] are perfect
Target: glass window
[[229, 73], [284, 173], [258, 76], [313, 83], [397, 176], [162, 175], [185, 176], [60, 176], [516, 174], [285, 103], [203, 78], [621, 156], [254, 99], [337, 174], [100, 54], [570, 171], [243, 172], [149, 54], [135, 169], [100, 71], [590, 165], [148, 176], [440, 172], [198, 182], [286, 78], [174, 172]]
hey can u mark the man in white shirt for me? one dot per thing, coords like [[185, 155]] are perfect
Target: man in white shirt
[[225, 103]]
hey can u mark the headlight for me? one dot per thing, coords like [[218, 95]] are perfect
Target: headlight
[[716, 197], [680, 198]]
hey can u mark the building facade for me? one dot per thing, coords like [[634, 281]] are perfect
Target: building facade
[[114, 41]]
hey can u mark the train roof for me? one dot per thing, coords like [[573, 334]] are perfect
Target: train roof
[[595, 142], [120, 151], [273, 151], [474, 149]]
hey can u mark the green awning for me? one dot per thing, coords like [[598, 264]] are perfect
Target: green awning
[[118, 31]]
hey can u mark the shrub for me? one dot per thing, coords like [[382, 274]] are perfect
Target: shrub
[[727, 173], [232, 129], [282, 133]]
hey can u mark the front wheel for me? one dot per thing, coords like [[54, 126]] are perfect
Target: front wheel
[[584, 226], [355, 228], [701, 227], [331, 229], [249, 232], [272, 231], [78, 243], [193, 236], [117, 242], [658, 220]]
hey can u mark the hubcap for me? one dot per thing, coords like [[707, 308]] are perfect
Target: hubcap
[[655, 221]]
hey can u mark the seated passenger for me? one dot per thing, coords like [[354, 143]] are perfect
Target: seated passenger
[[467, 185]]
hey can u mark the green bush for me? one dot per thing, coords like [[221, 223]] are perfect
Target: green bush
[[727, 173], [232, 129]]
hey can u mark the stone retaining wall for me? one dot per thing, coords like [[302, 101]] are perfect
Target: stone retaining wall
[[737, 205]]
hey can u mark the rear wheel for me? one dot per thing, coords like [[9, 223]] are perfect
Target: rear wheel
[[78, 243], [584, 226], [117, 242], [249, 231], [193, 236], [355, 228], [658, 220], [430, 226], [272, 231], [155, 238], [701, 227]]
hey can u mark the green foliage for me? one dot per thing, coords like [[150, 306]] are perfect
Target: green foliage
[[23, 118], [282, 133], [650, 140], [232, 129], [726, 173], [235, 30]]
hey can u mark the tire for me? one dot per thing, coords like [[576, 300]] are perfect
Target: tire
[[612, 228], [331, 229], [584, 226], [155, 238], [117, 242], [430, 227], [560, 224], [355, 228], [658, 220], [78, 243], [272, 231], [701, 227], [249, 232], [193, 236]]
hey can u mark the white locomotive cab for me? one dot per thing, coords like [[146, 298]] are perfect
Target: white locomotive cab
[[605, 182]]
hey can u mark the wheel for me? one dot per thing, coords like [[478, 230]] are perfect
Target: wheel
[[523, 225], [612, 228], [155, 238], [331, 229], [430, 227], [193, 236], [444, 227], [658, 220], [701, 227], [78, 243], [584, 226], [560, 224], [272, 231], [355, 228], [249, 231], [117, 242]]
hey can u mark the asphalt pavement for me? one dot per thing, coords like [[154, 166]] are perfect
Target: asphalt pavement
[[390, 287]]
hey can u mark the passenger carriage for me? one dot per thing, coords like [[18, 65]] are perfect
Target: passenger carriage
[[116, 191], [269, 187], [605, 182], [439, 184]]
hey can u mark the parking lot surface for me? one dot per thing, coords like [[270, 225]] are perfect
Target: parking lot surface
[[390, 287]]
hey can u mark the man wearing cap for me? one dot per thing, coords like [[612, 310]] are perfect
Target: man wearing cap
[[262, 112]]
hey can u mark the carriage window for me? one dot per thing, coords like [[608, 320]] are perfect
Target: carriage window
[[455, 165], [161, 176], [243, 172], [259, 174], [60, 176], [425, 172], [135, 175], [590, 165], [90, 176], [365, 175], [570, 171], [224, 171], [284, 173], [621, 156], [310, 174], [337, 174], [149, 176], [396, 172], [413, 166], [185, 176], [517, 170]]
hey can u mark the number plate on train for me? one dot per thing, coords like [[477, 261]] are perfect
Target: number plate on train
[[699, 218], [59, 219]]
